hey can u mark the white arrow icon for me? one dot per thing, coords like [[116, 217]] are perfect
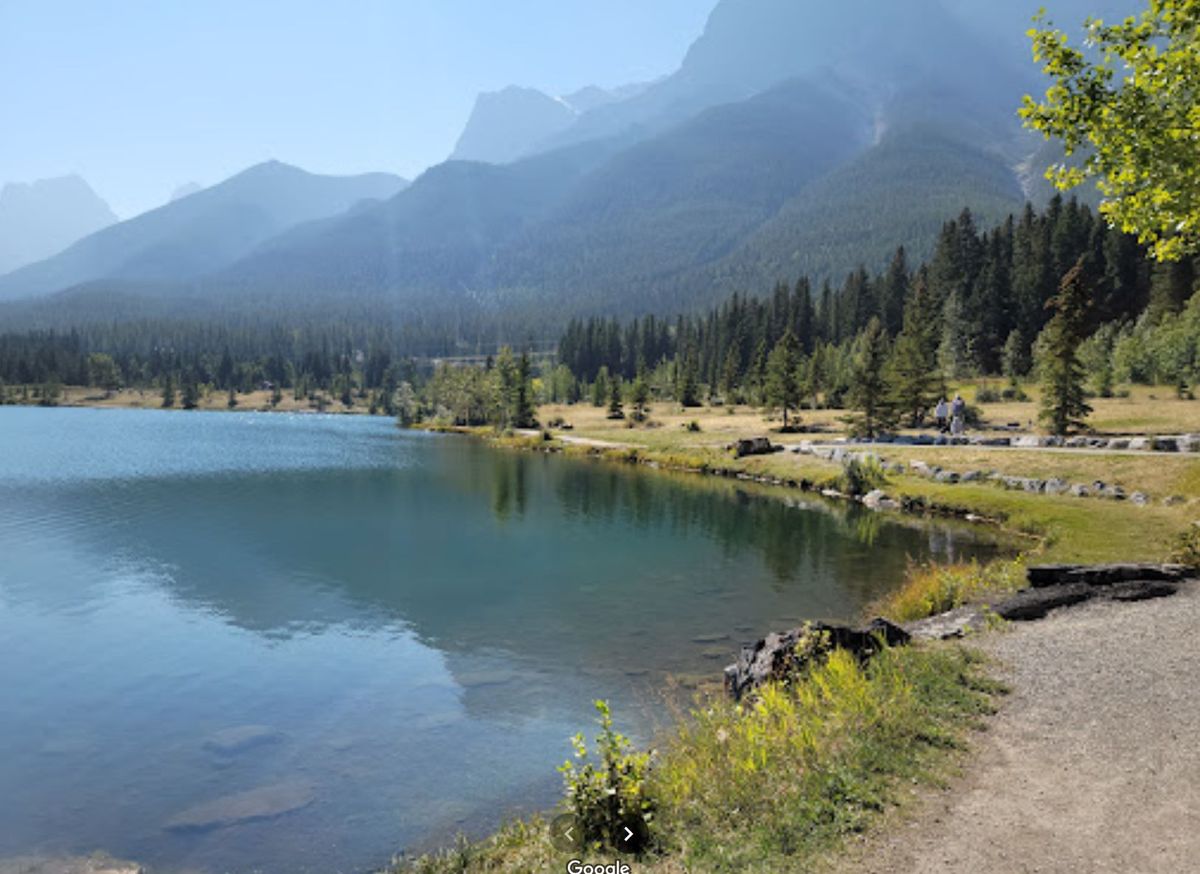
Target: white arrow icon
[[628, 833], [567, 834]]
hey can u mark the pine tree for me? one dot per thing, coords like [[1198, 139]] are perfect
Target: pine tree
[[954, 353], [894, 291], [914, 381], [1171, 284], [782, 386], [868, 385], [758, 369], [616, 410], [523, 415], [806, 317], [191, 395], [687, 385], [1014, 361], [816, 375], [729, 377], [232, 400], [168, 391], [600, 388], [640, 395], [1063, 406]]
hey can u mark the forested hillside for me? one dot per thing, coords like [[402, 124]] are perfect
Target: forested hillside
[[787, 143], [977, 306]]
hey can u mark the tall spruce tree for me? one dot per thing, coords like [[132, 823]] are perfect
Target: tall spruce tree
[[730, 377], [893, 292], [868, 385], [600, 388], [523, 415], [191, 394], [687, 378], [1063, 405], [782, 385], [616, 409], [914, 381]]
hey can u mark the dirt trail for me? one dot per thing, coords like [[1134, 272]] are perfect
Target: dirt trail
[[1092, 765]]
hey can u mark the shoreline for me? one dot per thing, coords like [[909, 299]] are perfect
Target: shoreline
[[778, 474]]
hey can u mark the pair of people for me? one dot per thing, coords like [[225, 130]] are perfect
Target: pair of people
[[951, 417]]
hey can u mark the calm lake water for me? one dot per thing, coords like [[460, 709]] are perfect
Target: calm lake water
[[417, 623]]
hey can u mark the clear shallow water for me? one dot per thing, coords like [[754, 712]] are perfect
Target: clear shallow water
[[421, 621]]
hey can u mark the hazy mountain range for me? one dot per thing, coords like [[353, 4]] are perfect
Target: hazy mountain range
[[40, 218], [797, 136], [201, 232]]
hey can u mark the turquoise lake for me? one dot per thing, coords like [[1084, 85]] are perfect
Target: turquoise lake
[[413, 624]]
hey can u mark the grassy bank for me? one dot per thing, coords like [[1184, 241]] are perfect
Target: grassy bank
[[776, 785]]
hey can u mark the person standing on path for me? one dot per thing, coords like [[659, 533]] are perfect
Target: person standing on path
[[941, 412], [958, 416]]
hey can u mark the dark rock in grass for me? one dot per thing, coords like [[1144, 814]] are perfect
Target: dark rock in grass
[[781, 655], [753, 446]]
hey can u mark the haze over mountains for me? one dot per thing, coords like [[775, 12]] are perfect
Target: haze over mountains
[[516, 122], [797, 137], [40, 218], [201, 232]]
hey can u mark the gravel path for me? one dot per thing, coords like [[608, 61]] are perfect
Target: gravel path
[[1092, 765]]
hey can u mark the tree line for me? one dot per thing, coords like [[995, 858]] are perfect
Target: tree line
[[1000, 301]]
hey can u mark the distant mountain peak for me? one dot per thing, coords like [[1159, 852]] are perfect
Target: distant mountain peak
[[510, 123], [42, 217], [193, 235], [185, 190]]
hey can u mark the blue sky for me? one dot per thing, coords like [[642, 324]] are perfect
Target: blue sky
[[139, 96]]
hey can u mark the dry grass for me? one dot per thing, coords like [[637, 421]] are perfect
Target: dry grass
[[132, 398], [930, 589], [1148, 410]]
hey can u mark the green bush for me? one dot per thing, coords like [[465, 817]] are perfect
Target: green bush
[[987, 395], [609, 795], [861, 475]]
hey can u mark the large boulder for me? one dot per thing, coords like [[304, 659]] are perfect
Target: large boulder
[[780, 655], [753, 446], [1040, 576]]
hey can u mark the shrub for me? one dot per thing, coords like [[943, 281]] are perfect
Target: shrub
[[861, 475], [987, 395], [609, 795], [1187, 547], [1012, 393], [692, 426]]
